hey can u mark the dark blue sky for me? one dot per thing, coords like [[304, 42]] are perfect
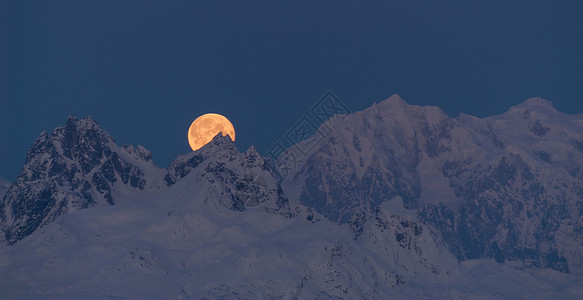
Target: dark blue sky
[[145, 69]]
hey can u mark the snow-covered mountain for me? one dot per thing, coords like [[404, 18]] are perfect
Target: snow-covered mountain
[[508, 187], [397, 202], [237, 180], [206, 237], [77, 166]]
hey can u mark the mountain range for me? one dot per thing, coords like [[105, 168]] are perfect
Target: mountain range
[[395, 201], [508, 187]]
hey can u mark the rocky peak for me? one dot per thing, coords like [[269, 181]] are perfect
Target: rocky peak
[[138, 152], [254, 160], [220, 149], [76, 167], [251, 152], [235, 180], [220, 145]]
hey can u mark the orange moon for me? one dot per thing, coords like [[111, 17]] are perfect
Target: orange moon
[[206, 127]]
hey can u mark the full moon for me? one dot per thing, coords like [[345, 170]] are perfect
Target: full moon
[[206, 127]]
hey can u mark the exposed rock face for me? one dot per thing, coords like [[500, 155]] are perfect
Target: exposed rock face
[[237, 180], [80, 166], [508, 187], [77, 166]]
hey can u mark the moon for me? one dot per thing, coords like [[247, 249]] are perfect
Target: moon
[[206, 127]]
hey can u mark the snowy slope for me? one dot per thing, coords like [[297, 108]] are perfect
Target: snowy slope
[[189, 242], [508, 187]]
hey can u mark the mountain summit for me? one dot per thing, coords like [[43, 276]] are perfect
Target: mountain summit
[[240, 180], [76, 166]]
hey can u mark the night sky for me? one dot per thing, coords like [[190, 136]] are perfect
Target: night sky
[[146, 69]]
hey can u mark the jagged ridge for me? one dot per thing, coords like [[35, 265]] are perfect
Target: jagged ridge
[[77, 166], [508, 187]]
